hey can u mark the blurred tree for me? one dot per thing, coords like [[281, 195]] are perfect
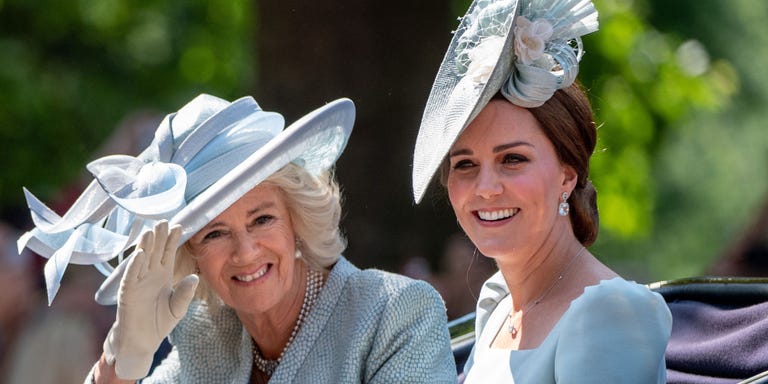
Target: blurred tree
[[643, 83], [712, 172], [677, 88], [647, 84], [71, 70]]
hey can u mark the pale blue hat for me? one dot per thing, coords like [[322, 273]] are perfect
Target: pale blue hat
[[526, 49], [203, 158]]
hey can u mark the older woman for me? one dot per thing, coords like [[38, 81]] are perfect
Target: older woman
[[512, 135], [227, 207]]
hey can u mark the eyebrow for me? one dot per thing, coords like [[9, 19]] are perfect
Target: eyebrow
[[260, 207], [496, 149]]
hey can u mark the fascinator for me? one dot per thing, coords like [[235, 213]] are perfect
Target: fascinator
[[525, 49], [203, 158]]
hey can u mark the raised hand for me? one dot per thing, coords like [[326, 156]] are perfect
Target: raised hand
[[149, 306]]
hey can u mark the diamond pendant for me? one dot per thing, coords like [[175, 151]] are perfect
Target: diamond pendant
[[512, 330]]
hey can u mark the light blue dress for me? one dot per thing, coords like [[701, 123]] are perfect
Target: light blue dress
[[615, 332]]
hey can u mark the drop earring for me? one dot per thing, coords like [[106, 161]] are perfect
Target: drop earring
[[297, 254], [564, 207]]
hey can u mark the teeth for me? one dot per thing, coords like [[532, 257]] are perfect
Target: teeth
[[496, 215], [254, 276]]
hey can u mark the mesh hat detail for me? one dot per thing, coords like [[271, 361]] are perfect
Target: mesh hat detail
[[525, 49]]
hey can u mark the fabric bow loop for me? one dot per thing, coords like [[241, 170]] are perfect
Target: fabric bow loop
[[88, 244], [152, 190]]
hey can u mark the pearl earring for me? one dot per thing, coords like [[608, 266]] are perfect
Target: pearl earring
[[564, 207], [297, 254]]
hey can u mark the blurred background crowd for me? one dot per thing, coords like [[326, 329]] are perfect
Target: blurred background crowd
[[678, 88]]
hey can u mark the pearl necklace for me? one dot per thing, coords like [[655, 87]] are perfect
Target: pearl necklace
[[511, 327], [314, 284]]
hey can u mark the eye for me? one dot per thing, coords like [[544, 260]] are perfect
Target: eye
[[212, 235], [514, 158], [463, 164], [263, 220]]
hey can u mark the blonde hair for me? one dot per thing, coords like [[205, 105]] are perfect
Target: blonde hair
[[314, 204]]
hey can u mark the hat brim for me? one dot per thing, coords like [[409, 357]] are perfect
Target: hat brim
[[314, 142], [455, 99], [481, 61]]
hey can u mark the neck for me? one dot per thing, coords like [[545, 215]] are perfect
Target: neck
[[531, 274], [272, 329]]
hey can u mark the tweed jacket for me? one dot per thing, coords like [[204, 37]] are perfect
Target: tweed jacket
[[368, 326]]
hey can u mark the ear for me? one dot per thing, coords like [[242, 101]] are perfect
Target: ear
[[570, 178]]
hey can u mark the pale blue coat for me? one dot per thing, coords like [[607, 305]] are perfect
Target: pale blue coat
[[368, 326]]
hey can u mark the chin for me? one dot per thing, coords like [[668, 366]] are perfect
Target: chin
[[494, 249]]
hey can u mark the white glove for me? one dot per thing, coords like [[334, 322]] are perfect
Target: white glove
[[148, 306]]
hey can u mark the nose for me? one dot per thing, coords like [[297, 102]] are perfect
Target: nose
[[488, 183], [246, 248]]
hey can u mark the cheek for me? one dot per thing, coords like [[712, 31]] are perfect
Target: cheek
[[208, 266], [457, 195], [211, 257], [456, 191], [282, 239], [208, 259]]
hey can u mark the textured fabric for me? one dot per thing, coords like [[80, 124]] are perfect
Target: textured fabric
[[715, 345], [367, 326], [615, 332]]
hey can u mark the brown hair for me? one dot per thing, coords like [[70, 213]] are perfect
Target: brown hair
[[567, 121]]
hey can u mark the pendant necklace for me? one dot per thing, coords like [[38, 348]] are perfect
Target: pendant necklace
[[511, 328]]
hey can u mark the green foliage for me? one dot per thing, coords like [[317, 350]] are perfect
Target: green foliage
[[71, 70], [712, 169], [685, 151], [642, 84], [677, 87]]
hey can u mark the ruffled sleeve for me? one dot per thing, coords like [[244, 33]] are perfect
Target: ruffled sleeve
[[615, 332], [493, 291]]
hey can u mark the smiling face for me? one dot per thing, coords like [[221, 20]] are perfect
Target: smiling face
[[246, 254], [505, 182]]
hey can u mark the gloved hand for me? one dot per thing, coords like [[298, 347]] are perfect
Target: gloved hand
[[148, 305]]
